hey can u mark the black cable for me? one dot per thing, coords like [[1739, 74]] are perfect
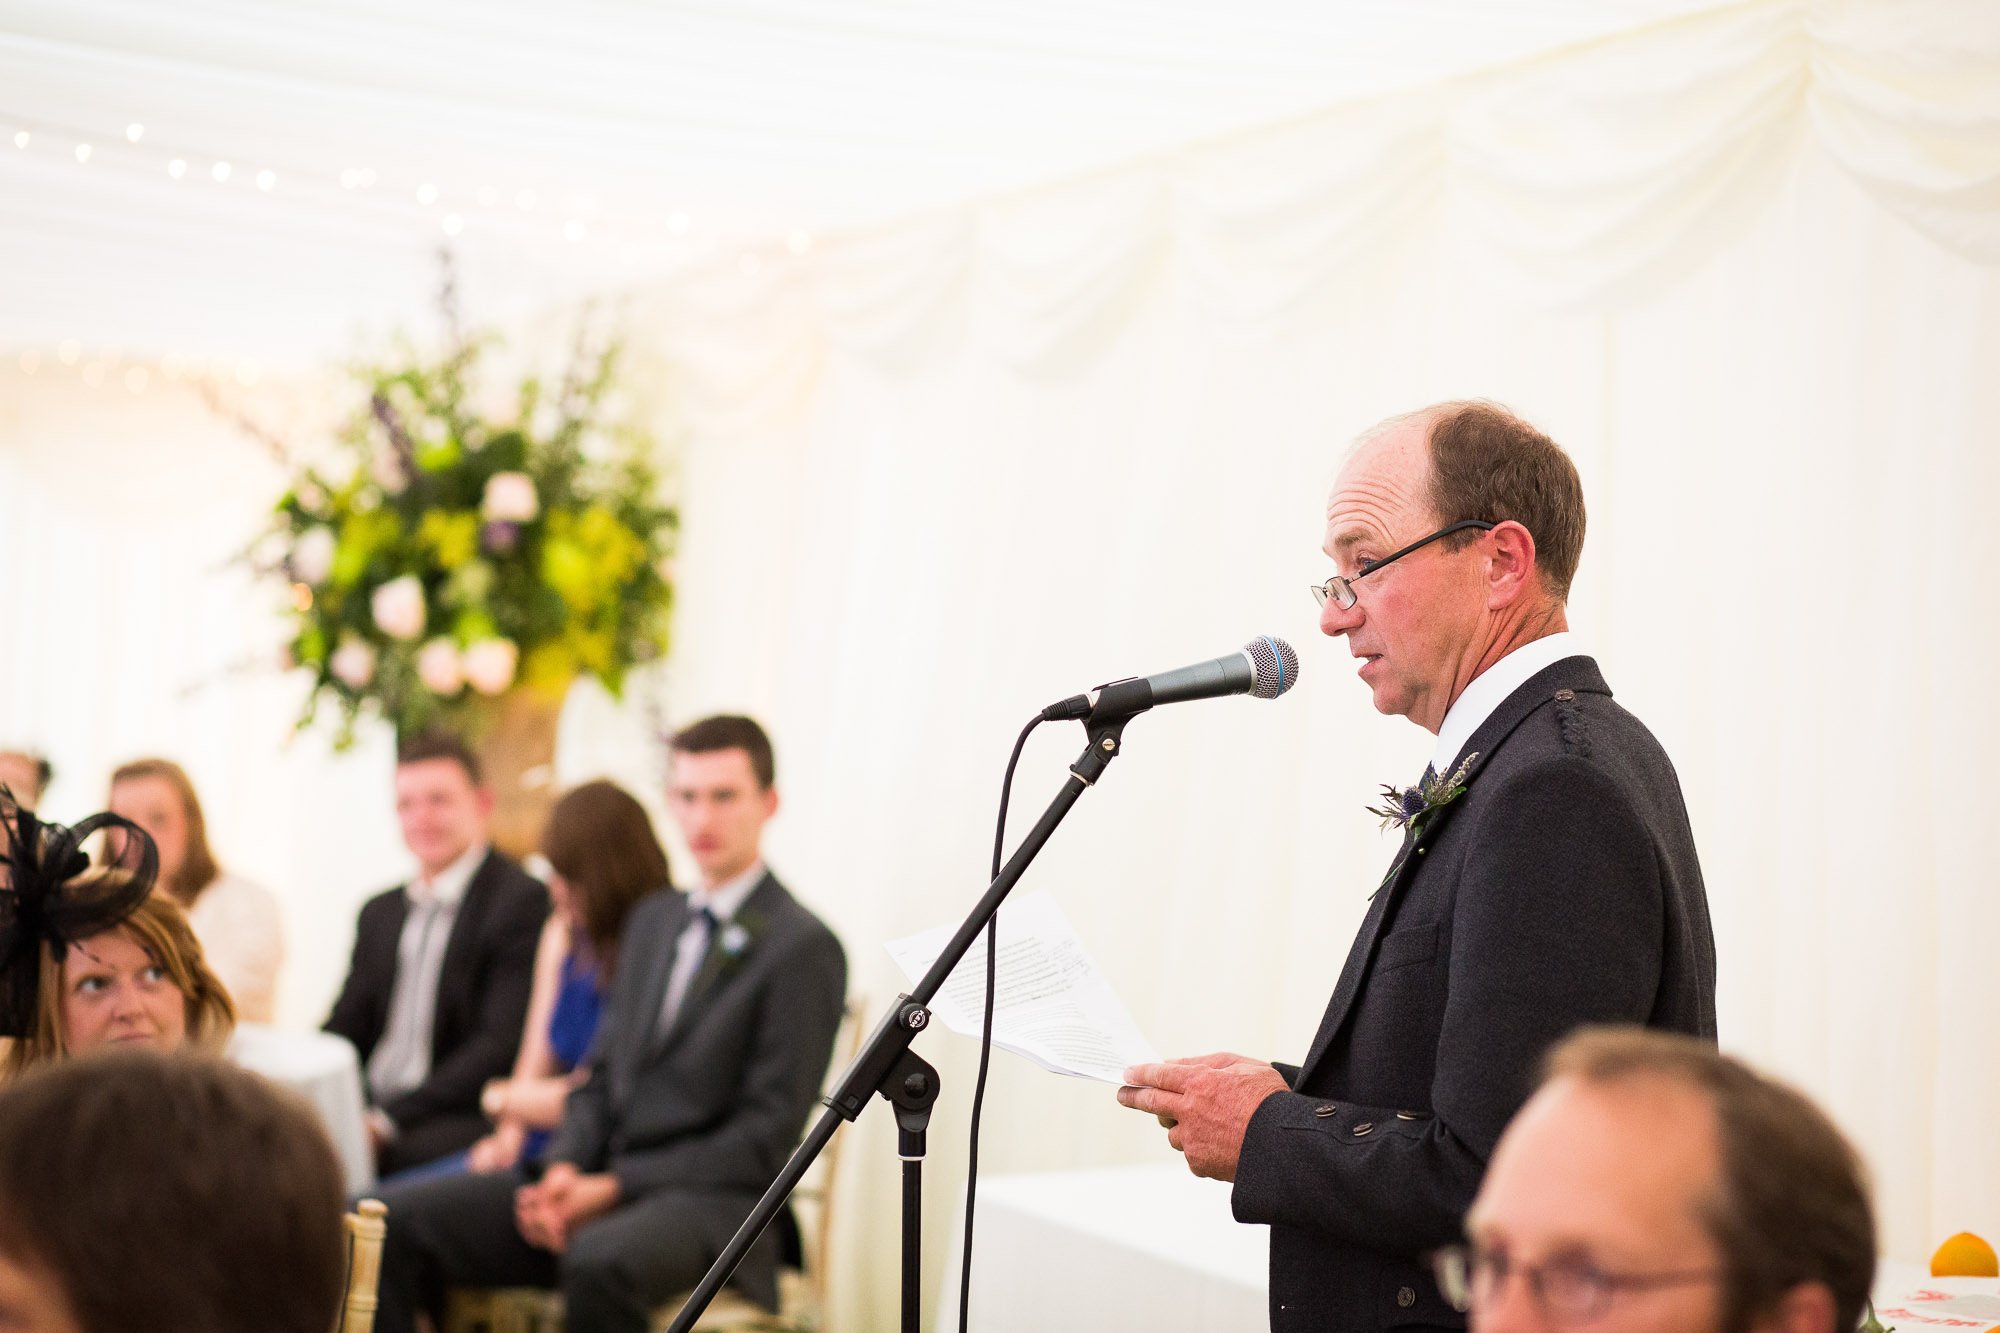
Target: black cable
[[986, 1033]]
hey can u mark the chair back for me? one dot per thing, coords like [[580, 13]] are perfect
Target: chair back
[[815, 1192], [366, 1226]]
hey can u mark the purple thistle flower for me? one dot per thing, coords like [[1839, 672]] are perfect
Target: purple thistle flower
[[499, 538]]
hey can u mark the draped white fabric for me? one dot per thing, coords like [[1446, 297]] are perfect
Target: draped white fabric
[[942, 472]]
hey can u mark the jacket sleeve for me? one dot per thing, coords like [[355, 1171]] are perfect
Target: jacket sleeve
[[792, 1040], [506, 980], [358, 1013], [1557, 922]]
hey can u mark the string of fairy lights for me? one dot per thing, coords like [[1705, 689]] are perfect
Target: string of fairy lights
[[398, 210]]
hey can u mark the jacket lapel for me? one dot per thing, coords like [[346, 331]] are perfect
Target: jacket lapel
[[455, 967], [1579, 674], [717, 962], [647, 1035]]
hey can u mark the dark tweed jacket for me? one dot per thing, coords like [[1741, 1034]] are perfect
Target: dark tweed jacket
[[1561, 889]]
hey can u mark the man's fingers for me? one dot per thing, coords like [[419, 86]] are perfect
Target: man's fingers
[[1166, 1121], [1154, 1100], [1172, 1075]]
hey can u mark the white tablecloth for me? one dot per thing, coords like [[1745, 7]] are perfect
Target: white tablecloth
[[323, 1069], [1145, 1247]]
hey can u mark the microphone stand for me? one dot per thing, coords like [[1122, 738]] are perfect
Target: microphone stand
[[886, 1064]]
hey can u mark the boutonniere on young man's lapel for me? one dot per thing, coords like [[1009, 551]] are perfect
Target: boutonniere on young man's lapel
[[732, 942], [1408, 807]]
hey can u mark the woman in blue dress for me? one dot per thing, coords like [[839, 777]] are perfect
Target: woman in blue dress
[[604, 857]]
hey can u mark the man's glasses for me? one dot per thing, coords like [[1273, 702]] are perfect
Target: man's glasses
[[1340, 590], [1569, 1290]]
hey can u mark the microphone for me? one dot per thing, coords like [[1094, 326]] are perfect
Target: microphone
[[1263, 668]]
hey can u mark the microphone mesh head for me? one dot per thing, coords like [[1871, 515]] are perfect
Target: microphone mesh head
[[1277, 666]]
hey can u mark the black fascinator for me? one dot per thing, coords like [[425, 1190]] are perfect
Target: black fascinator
[[45, 897]]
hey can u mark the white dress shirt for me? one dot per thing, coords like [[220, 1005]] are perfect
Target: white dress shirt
[[1490, 688], [402, 1058], [691, 946]]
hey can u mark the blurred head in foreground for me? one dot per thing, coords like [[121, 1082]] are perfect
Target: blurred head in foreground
[[174, 1195], [1655, 1184]]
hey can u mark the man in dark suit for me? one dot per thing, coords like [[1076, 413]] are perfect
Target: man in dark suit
[[438, 987], [720, 1025], [1547, 879]]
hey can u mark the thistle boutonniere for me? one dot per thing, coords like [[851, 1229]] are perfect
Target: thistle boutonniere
[[733, 943], [1407, 807]]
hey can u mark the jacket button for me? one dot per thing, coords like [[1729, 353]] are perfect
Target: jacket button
[[1422, 850], [1406, 1115], [1325, 1109], [1565, 696], [1364, 1128], [1406, 1296]]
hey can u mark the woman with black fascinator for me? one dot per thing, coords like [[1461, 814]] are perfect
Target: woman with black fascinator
[[89, 957]]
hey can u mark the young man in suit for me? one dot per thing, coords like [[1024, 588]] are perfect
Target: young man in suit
[[438, 987], [714, 1043], [1547, 879]]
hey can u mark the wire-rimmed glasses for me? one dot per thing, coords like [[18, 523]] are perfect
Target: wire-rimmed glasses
[[1340, 589], [1569, 1289]]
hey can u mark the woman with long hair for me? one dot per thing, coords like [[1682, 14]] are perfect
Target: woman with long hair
[[236, 920]]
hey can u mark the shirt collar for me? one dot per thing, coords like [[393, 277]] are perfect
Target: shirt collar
[[449, 885], [1490, 688], [725, 898]]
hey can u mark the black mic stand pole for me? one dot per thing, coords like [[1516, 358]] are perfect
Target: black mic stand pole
[[888, 1066]]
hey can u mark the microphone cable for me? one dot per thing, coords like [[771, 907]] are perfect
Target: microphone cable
[[986, 1032]]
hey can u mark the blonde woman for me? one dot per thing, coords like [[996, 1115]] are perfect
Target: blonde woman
[[236, 920], [140, 984]]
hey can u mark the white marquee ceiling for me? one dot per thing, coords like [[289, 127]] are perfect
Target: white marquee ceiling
[[578, 148]]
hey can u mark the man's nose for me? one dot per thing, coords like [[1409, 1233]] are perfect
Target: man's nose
[[1335, 621]]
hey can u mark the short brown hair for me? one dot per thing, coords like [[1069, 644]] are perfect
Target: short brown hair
[[1488, 464], [730, 731], [1793, 1206], [159, 927], [171, 1194], [601, 842], [198, 870], [439, 745]]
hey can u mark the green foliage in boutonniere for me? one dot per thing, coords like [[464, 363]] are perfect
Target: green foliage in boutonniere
[[732, 944], [1407, 807]]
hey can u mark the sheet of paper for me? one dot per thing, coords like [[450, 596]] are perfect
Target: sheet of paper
[[1051, 1005]]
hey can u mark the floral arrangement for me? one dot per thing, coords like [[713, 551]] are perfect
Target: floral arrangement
[[1406, 807], [452, 554]]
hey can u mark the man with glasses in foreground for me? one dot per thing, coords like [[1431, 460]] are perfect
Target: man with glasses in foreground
[[1547, 879], [1653, 1184]]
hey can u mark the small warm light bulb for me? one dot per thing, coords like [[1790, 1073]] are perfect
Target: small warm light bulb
[[220, 171], [21, 138], [134, 132], [83, 152], [68, 350], [453, 224], [799, 241], [31, 361], [177, 168], [266, 179], [136, 379], [427, 194]]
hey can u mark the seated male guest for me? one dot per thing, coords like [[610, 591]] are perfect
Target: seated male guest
[[1653, 1184], [721, 1021], [438, 987]]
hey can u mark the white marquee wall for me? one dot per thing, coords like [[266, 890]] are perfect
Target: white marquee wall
[[942, 473]]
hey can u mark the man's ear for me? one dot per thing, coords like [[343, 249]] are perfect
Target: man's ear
[[1806, 1308], [1510, 567], [770, 801]]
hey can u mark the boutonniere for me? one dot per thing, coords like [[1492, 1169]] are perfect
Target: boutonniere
[[735, 940], [1407, 807]]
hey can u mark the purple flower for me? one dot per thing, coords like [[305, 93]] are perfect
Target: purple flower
[[498, 538]]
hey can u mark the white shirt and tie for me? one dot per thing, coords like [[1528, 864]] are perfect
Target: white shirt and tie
[[402, 1058], [710, 911]]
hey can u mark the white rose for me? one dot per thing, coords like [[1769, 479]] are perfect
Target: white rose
[[440, 668], [399, 607], [353, 664], [312, 557], [490, 663], [510, 498]]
